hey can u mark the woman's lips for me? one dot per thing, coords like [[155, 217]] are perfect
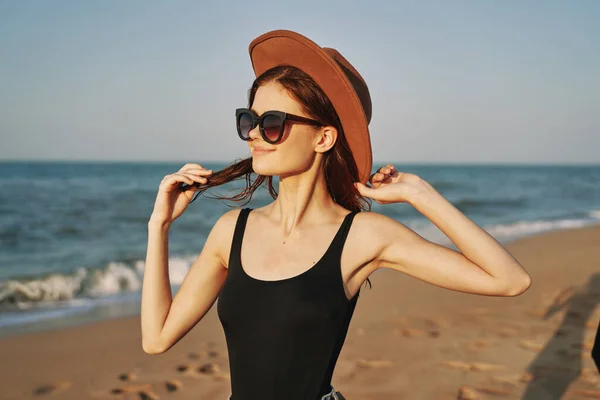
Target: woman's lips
[[261, 151]]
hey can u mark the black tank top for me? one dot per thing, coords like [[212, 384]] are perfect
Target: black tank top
[[284, 337]]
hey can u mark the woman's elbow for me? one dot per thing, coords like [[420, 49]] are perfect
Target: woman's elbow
[[153, 347], [517, 286]]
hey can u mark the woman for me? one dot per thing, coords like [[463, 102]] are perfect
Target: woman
[[288, 274]]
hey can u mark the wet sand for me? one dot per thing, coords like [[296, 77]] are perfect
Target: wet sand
[[408, 340]]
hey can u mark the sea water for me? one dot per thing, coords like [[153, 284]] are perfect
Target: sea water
[[73, 236]]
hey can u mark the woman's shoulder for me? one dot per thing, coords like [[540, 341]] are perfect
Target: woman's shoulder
[[228, 218], [221, 235], [372, 224], [223, 229], [373, 219]]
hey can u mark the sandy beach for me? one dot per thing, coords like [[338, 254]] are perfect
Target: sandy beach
[[408, 340]]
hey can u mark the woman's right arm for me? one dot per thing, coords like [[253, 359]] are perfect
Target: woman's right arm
[[164, 319]]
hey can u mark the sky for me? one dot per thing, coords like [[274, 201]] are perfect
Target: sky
[[451, 81]]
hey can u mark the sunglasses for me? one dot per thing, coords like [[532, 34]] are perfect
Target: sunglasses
[[270, 123]]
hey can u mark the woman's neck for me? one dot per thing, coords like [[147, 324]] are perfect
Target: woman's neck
[[303, 199]]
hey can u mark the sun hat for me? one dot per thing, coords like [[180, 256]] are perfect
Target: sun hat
[[338, 79]]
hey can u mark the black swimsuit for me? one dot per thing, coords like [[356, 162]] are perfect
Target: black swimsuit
[[284, 337]]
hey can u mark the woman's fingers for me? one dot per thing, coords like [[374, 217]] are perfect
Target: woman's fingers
[[196, 177], [388, 169], [176, 179], [196, 170], [382, 175], [378, 177], [193, 175]]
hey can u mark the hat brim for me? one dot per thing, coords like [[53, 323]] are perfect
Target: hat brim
[[282, 47]]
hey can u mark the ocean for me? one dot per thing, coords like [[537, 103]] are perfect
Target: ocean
[[73, 235]]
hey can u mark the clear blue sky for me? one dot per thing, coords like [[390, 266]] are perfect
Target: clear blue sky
[[451, 81]]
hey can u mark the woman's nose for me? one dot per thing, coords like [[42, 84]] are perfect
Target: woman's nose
[[254, 133]]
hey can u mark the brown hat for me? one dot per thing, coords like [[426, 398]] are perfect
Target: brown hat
[[342, 84]]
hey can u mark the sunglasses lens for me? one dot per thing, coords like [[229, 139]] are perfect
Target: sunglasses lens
[[245, 124], [272, 127]]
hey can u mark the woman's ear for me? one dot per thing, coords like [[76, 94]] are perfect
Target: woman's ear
[[326, 138]]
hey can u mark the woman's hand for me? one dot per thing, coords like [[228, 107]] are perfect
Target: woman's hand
[[391, 186], [171, 200]]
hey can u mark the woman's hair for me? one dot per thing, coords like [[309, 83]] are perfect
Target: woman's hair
[[339, 165]]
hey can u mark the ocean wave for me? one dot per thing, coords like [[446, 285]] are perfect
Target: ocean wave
[[509, 231], [82, 283], [594, 214], [525, 228]]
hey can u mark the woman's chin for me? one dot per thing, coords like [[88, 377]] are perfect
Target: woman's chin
[[264, 168]]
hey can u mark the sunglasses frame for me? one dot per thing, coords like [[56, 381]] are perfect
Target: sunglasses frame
[[256, 120]]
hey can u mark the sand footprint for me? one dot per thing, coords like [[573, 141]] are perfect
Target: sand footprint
[[183, 368], [213, 370], [144, 391], [131, 388], [128, 376], [470, 393], [409, 332], [148, 395], [467, 393], [173, 385], [208, 369], [187, 370], [52, 388], [473, 367], [437, 323]]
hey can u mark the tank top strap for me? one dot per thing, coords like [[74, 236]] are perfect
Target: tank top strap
[[238, 235], [342, 234]]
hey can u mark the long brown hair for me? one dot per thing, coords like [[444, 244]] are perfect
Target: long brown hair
[[339, 166]]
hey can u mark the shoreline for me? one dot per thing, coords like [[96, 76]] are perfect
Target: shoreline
[[404, 332]]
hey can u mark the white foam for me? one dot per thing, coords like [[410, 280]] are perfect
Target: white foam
[[523, 228], [594, 214], [115, 278], [178, 268], [55, 287], [505, 232], [83, 283]]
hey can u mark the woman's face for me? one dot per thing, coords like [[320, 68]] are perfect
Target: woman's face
[[301, 143]]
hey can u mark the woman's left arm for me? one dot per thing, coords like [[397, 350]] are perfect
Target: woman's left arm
[[482, 266]]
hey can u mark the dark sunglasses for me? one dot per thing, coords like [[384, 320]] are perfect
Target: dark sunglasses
[[270, 123]]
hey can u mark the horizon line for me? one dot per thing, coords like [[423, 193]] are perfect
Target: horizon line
[[229, 162]]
